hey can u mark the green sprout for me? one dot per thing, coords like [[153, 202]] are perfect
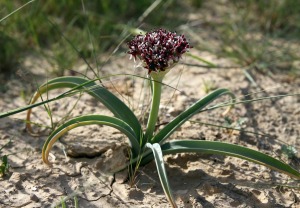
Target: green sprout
[[4, 165], [289, 150], [159, 51]]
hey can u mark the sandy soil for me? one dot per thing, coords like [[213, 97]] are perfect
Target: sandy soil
[[83, 158]]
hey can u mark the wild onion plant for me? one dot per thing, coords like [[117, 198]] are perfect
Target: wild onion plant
[[158, 51]]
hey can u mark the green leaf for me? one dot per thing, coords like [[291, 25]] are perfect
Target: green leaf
[[113, 103], [159, 161], [76, 202], [187, 114], [221, 148], [63, 203], [90, 120]]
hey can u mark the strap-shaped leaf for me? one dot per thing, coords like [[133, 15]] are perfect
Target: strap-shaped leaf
[[187, 114], [90, 120], [221, 148], [159, 161], [113, 103]]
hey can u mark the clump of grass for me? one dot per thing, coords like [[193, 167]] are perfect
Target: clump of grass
[[63, 202], [35, 27], [258, 35], [278, 23], [275, 17], [208, 86], [159, 51], [9, 53], [256, 50]]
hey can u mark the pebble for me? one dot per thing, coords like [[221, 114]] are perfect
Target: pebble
[[34, 198]]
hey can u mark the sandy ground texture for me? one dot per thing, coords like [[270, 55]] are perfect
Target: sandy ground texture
[[82, 160]]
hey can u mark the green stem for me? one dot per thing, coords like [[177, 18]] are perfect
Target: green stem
[[156, 94]]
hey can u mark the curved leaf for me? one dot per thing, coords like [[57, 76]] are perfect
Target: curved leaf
[[90, 120], [159, 161], [113, 103], [187, 114], [221, 148]]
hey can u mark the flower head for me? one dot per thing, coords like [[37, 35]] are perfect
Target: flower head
[[159, 50]]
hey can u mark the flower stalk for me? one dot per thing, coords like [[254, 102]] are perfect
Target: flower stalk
[[156, 82]]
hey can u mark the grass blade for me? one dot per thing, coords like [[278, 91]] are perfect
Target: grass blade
[[210, 64], [21, 7], [159, 161], [187, 114], [90, 120], [27, 107], [221, 148]]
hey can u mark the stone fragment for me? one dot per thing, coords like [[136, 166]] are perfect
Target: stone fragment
[[34, 198]]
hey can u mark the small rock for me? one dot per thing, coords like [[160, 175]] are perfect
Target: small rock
[[34, 198], [15, 177], [84, 150]]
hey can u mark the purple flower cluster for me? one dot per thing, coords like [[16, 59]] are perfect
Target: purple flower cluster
[[158, 49]]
